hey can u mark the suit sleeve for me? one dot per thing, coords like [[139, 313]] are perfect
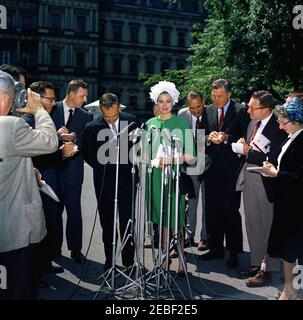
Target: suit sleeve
[[29, 142], [89, 146]]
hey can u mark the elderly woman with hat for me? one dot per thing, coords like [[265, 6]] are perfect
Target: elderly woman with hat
[[286, 236]]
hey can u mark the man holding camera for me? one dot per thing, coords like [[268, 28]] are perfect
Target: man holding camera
[[21, 217]]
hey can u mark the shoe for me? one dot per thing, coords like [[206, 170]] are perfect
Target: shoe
[[189, 242], [77, 256], [249, 272], [181, 273], [212, 254], [259, 280], [54, 270], [202, 246], [173, 254], [39, 284], [232, 261]]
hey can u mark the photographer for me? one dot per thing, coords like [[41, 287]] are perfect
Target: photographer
[[21, 217]]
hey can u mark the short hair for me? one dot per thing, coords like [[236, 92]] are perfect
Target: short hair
[[221, 83], [74, 85], [265, 98], [107, 100], [7, 83], [14, 71], [195, 95], [41, 86]]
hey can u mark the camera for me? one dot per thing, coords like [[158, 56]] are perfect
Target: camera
[[20, 99]]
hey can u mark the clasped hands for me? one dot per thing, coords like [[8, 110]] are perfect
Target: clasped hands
[[69, 148], [217, 137]]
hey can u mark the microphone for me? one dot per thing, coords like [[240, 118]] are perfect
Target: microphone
[[166, 136], [137, 133], [122, 131]]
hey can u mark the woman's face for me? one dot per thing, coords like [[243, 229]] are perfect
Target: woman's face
[[165, 104], [287, 125]]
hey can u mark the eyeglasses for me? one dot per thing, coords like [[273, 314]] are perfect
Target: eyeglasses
[[283, 123], [50, 99], [253, 109]]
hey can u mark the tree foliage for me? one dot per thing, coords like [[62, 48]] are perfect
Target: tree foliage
[[250, 42]]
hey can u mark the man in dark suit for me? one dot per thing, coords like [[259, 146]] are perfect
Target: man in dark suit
[[222, 201], [99, 153], [257, 207], [69, 117], [196, 118]]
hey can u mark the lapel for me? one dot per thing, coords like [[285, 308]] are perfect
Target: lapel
[[228, 116], [250, 129], [61, 114], [289, 150], [189, 118], [213, 118]]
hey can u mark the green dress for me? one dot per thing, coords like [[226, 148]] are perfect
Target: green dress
[[180, 128]]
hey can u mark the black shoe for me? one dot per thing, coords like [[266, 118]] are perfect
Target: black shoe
[[212, 254], [77, 256], [249, 272], [261, 279], [54, 269], [39, 284], [232, 261], [189, 242]]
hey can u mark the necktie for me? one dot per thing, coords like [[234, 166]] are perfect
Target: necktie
[[221, 119], [114, 129], [255, 131], [198, 126], [69, 120]]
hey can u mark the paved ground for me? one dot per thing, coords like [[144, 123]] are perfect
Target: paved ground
[[208, 280]]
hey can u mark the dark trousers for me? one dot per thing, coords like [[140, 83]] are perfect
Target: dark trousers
[[106, 212], [223, 217], [18, 265], [71, 199]]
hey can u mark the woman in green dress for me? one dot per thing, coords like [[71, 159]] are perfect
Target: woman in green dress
[[165, 95]]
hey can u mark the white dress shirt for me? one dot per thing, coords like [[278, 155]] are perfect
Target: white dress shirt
[[66, 109]]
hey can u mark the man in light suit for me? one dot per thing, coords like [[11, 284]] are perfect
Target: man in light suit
[[69, 117], [195, 116], [257, 207], [21, 216]]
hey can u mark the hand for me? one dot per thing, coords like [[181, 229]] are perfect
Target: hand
[[62, 130], [38, 177], [68, 137], [269, 169], [245, 146], [217, 137], [68, 149], [33, 103]]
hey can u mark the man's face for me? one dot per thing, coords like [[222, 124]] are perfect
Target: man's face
[[48, 100], [195, 106], [6, 103], [78, 98], [110, 115], [255, 110], [220, 97]]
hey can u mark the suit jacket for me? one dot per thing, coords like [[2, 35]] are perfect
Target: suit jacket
[[287, 196], [21, 215], [224, 161], [91, 147], [72, 170]]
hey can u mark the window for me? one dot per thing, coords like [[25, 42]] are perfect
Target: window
[[27, 22], [26, 58], [132, 100], [150, 66], [56, 21], [10, 22], [80, 59], [117, 32], [181, 64], [6, 57], [117, 65], [55, 58], [102, 31], [181, 39], [133, 67], [165, 65], [80, 24], [134, 34], [166, 37], [150, 36]]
